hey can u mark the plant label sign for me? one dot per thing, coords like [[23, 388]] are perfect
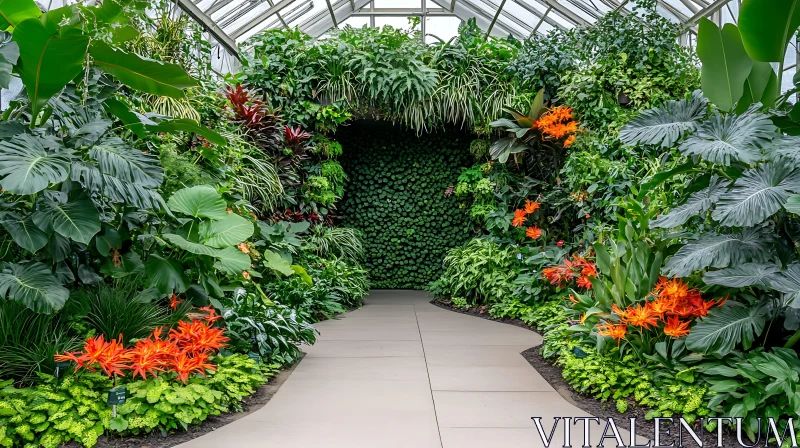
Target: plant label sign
[[117, 395]]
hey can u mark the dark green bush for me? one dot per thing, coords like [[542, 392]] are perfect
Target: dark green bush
[[399, 196]]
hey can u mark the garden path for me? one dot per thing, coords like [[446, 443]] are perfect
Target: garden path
[[402, 373]]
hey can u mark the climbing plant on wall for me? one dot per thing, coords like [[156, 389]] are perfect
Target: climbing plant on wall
[[399, 196]]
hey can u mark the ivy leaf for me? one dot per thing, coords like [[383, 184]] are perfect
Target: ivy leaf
[[758, 194], [34, 285]]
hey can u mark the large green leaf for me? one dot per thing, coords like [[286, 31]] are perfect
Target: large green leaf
[[165, 274], [665, 125], [9, 53], [116, 158], [12, 12], [787, 281], [48, 61], [186, 125], [697, 204], [228, 231], [195, 248], [730, 138], [761, 86], [767, 26], [24, 232], [277, 263], [34, 285], [720, 251], [726, 65], [201, 201], [142, 74], [748, 274], [232, 261], [77, 219], [725, 328], [26, 167], [793, 204], [758, 194], [132, 120]]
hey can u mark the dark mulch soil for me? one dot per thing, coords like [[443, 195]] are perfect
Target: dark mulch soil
[[593, 406], [157, 440]]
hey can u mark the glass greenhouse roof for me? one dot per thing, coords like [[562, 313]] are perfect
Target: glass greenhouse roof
[[231, 22]]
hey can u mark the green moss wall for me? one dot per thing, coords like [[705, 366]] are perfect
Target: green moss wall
[[396, 195]]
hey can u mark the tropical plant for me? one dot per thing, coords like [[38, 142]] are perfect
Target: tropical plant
[[335, 241]]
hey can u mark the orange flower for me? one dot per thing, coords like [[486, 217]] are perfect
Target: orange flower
[[676, 328], [641, 316], [584, 282], [572, 298], [531, 207], [661, 306], [174, 302], [246, 275], [671, 289], [557, 275], [569, 141], [229, 210], [519, 218], [533, 232], [616, 332], [151, 355], [197, 337], [184, 365], [109, 356], [623, 314], [244, 248]]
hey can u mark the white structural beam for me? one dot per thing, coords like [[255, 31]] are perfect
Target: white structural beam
[[210, 26], [711, 9], [261, 18], [323, 21], [465, 10]]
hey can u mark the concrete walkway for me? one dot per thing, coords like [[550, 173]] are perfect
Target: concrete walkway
[[402, 373]]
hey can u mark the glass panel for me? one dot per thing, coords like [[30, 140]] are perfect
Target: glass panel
[[396, 22], [405, 4], [442, 27], [355, 22]]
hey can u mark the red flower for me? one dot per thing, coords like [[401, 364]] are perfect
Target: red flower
[[560, 244], [676, 328], [584, 282]]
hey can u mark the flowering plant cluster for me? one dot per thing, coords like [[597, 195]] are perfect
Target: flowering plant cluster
[[186, 350], [670, 307], [521, 216], [556, 124], [578, 269]]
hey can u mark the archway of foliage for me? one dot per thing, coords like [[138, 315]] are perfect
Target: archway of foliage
[[399, 194]]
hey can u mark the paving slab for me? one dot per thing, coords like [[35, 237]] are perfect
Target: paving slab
[[402, 373]]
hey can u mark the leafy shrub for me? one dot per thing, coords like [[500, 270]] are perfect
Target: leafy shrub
[[74, 408], [396, 197], [335, 241], [481, 271]]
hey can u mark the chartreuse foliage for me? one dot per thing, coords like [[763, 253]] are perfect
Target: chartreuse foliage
[[74, 408], [397, 197]]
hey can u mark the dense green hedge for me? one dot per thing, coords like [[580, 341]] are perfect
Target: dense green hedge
[[397, 196]]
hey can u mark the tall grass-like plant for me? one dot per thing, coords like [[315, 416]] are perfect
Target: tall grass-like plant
[[29, 340], [119, 310], [337, 241]]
